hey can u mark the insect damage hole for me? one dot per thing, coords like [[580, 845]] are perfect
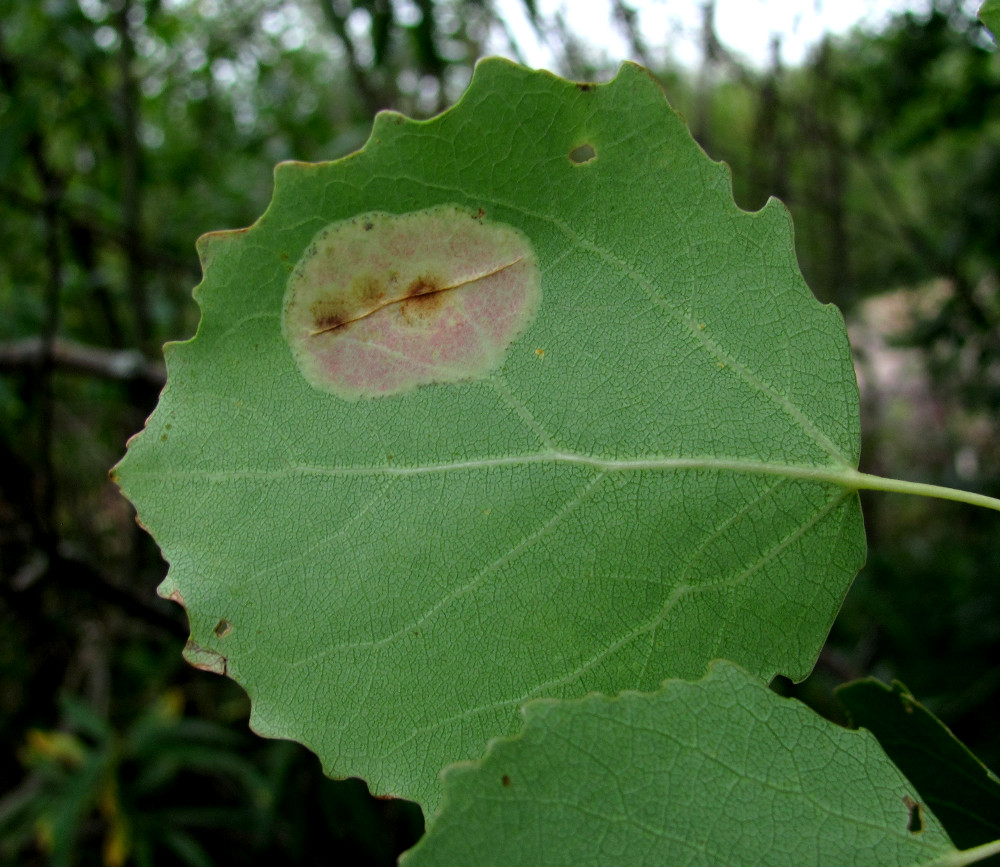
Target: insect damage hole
[[915, 823], [581, 154], [382, 303], [222, 628]]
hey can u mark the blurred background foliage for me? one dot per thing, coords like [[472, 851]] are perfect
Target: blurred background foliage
[[130, 127]]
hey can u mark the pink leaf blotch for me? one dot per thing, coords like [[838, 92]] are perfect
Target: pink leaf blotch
[[382, 303]]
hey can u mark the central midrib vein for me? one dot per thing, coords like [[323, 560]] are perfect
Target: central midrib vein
[[842, 475], [834, 473], [403, 299]]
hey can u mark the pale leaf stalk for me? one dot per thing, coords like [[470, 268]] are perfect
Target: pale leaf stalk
[[967, 856], [866, 482]]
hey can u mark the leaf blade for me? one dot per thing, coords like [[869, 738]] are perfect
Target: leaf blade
[[650, 480], [715, 771], [962, 791]]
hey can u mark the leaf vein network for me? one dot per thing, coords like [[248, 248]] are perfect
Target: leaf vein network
[[711, 346], [653, 623], [477, 580]]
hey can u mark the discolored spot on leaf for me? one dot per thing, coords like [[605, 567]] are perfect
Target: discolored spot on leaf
[[205, 659], [222, 628], [581, 154], [382, 303], [915, 823]]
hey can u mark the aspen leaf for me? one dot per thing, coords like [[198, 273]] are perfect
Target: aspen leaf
[[721, 771], [961, 790], [643, 471]]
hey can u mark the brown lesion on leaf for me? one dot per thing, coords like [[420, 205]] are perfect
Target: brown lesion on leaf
[[372, 291], [423, 296], [328, 315], [397, 276], [915, 823], [204, 659], [325, 322]]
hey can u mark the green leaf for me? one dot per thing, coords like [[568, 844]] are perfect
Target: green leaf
[[989, 14], [657, 471], [960, 789], [721, 771]]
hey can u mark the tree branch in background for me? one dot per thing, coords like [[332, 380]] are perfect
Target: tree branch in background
[[710, 46], [572, 51], [120, 365], [52, 186], [78, 216], [131, 169], [829, 128], [627, 19], [74, 572], [768, 149], [508, 34], [366, 91], [922, 246]]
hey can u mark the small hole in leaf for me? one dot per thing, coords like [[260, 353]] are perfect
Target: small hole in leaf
[[915, 824], [505, 780], [222, 628], [582, 154]]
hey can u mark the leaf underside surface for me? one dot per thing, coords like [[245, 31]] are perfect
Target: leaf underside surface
[[721, 771], [648, 480]]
